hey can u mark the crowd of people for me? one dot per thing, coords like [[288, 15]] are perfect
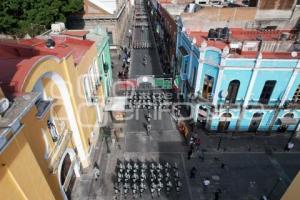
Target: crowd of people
[[148, 100], [125, 54]]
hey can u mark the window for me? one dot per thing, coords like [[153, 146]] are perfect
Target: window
[[296, 97], [233, 89], [87, 88], [52, 130], [185, 67], [267, 92], [194, 76], [110, 37], [91, 81], [207, 86]]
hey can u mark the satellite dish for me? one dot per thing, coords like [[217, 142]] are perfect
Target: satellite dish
[[4, 104], [294, 54], [224, 94]]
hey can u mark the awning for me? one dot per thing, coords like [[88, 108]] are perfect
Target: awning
[[287, 121], [116, 103]]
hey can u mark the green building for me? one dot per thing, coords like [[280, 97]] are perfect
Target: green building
[[99, 35]]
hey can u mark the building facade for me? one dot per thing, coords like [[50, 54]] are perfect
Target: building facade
[[165, 34], [113, 15], [99, 35], [247, 82], [47, 138]]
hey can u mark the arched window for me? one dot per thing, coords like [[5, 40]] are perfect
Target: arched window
[[267, 92], [233, 90]]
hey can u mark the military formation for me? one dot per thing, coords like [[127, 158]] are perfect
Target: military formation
[[141, 45], [149, 100], [136, 178]]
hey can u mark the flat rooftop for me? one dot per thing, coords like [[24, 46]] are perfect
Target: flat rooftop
[[18, 58], [273, 46]]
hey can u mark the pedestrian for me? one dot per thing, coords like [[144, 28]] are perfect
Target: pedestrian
[[290, 146], [223, 165], [206, 183], [96, 171], [190, 152], [148, 128], [193, 172], [217, 194], [120, 56]]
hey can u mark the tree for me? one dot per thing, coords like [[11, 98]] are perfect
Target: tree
[[19, 17]]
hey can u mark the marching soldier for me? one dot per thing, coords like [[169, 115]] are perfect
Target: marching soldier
[[152, 189], [143, 187], [178, 187], [135, 177], [159, 187], [134, 190], [126, 189], [169, 187]]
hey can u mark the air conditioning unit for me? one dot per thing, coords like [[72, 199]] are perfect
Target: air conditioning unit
[[58, 27]]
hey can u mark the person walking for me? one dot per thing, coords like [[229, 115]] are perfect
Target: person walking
[[217, 194], [206, 183], [193, 172], [148, 128], [190, 152], [96, 171]]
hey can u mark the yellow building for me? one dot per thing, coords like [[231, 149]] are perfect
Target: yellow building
[[293, 193], [51, 125]]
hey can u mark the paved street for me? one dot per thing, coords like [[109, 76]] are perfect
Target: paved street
[[144, 36], [241, 168]]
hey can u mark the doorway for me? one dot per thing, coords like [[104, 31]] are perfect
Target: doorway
[[202, 117], [255, 122], [224, 122], [284, 127]]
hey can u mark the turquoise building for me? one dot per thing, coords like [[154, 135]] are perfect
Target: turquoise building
[[104, 61], [240, 80]]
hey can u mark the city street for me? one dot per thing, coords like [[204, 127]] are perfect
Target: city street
[[238, 168]]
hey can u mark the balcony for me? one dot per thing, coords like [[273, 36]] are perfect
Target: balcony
[[291, 104], [252, 104], [59, 149]]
